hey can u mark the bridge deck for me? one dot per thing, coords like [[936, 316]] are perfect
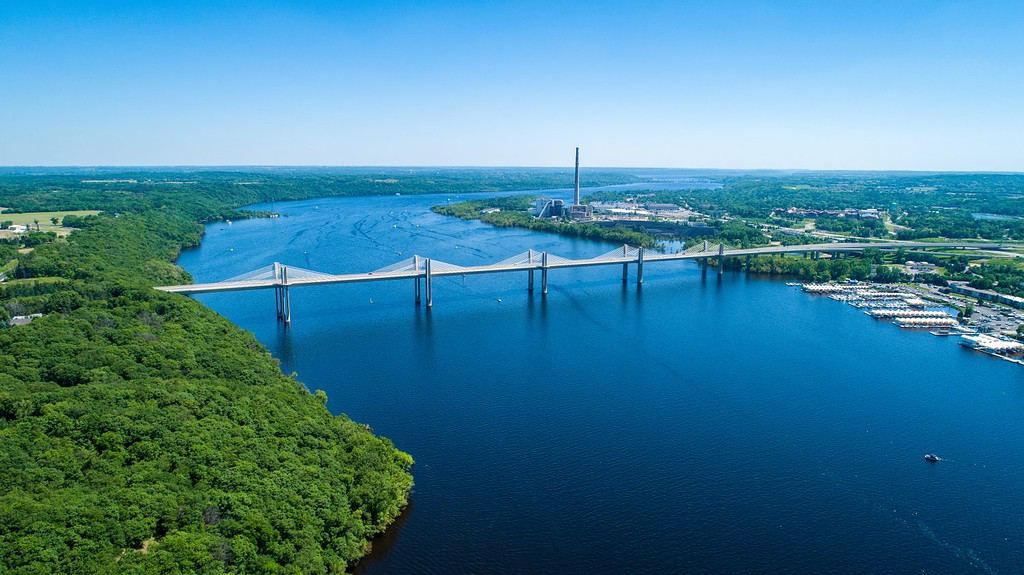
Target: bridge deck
[[558, 263]]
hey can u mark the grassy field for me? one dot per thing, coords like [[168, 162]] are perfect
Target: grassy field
[[45, 225]]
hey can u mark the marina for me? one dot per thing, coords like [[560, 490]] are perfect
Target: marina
[[905, 307]]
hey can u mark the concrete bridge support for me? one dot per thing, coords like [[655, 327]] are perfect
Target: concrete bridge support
[[426, 283], [282, 297], [625, 266], [286, 297], [721, 259], [278, 294], [544, 273], [416, 280], [640, 266], [529, 280]]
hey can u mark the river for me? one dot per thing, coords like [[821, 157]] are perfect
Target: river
[[699, 424]]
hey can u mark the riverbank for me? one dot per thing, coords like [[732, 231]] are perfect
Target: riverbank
[[512, 212], [143, 432]]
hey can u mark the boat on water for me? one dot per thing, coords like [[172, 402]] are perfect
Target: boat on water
[[932, 458]]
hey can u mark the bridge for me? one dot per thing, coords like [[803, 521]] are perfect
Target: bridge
[[422, 270]]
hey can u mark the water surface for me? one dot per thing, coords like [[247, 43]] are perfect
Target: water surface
[[699, 424]]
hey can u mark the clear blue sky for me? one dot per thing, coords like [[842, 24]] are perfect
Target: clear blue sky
[[848, 85]]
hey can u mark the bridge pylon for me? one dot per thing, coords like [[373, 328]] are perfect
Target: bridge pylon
[[426, 283], [625, 266], [277, 290], [529, 280], [721, 258], [282, 296], [640, 266], [416, 280], [544, 273]]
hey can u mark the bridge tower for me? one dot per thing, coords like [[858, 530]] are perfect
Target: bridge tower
[[544, 273], [721, 258], [529, 260], [426, 282], [640, 266], [277, 289], [416, 280], [625, 266], [282, 297]]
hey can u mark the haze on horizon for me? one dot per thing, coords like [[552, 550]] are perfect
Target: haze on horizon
[[922, 85]]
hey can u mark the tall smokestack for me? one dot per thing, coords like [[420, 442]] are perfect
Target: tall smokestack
[[576, 193]]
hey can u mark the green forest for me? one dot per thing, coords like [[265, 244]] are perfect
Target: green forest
[[142, 433]]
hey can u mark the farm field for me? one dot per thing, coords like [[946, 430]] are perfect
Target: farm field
[[44, 219]]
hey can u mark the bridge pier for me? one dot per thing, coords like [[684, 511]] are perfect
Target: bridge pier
[[625, 266], [529, 276], [721, 258], [416, 280], [640, 267], [426, 283], [544, 273], [286, 297], [278, 308], [287, 307]]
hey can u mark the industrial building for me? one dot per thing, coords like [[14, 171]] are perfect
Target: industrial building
[[986, 295], [579, 211], [551, 208]]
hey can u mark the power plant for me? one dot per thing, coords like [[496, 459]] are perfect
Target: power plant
[[576, 187], [578, 211], [550, 208]]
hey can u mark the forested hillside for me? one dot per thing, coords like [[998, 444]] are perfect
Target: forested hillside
[[142, 433]]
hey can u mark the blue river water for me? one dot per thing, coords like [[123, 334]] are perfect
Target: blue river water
[[700, 424]]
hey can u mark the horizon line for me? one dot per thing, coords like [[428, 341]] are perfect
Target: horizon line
[[499, 167]]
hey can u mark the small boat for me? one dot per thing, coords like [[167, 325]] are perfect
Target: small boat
[[932, 458], [499, 300]]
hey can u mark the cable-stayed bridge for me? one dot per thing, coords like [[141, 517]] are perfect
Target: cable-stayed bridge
[[422, 270]]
